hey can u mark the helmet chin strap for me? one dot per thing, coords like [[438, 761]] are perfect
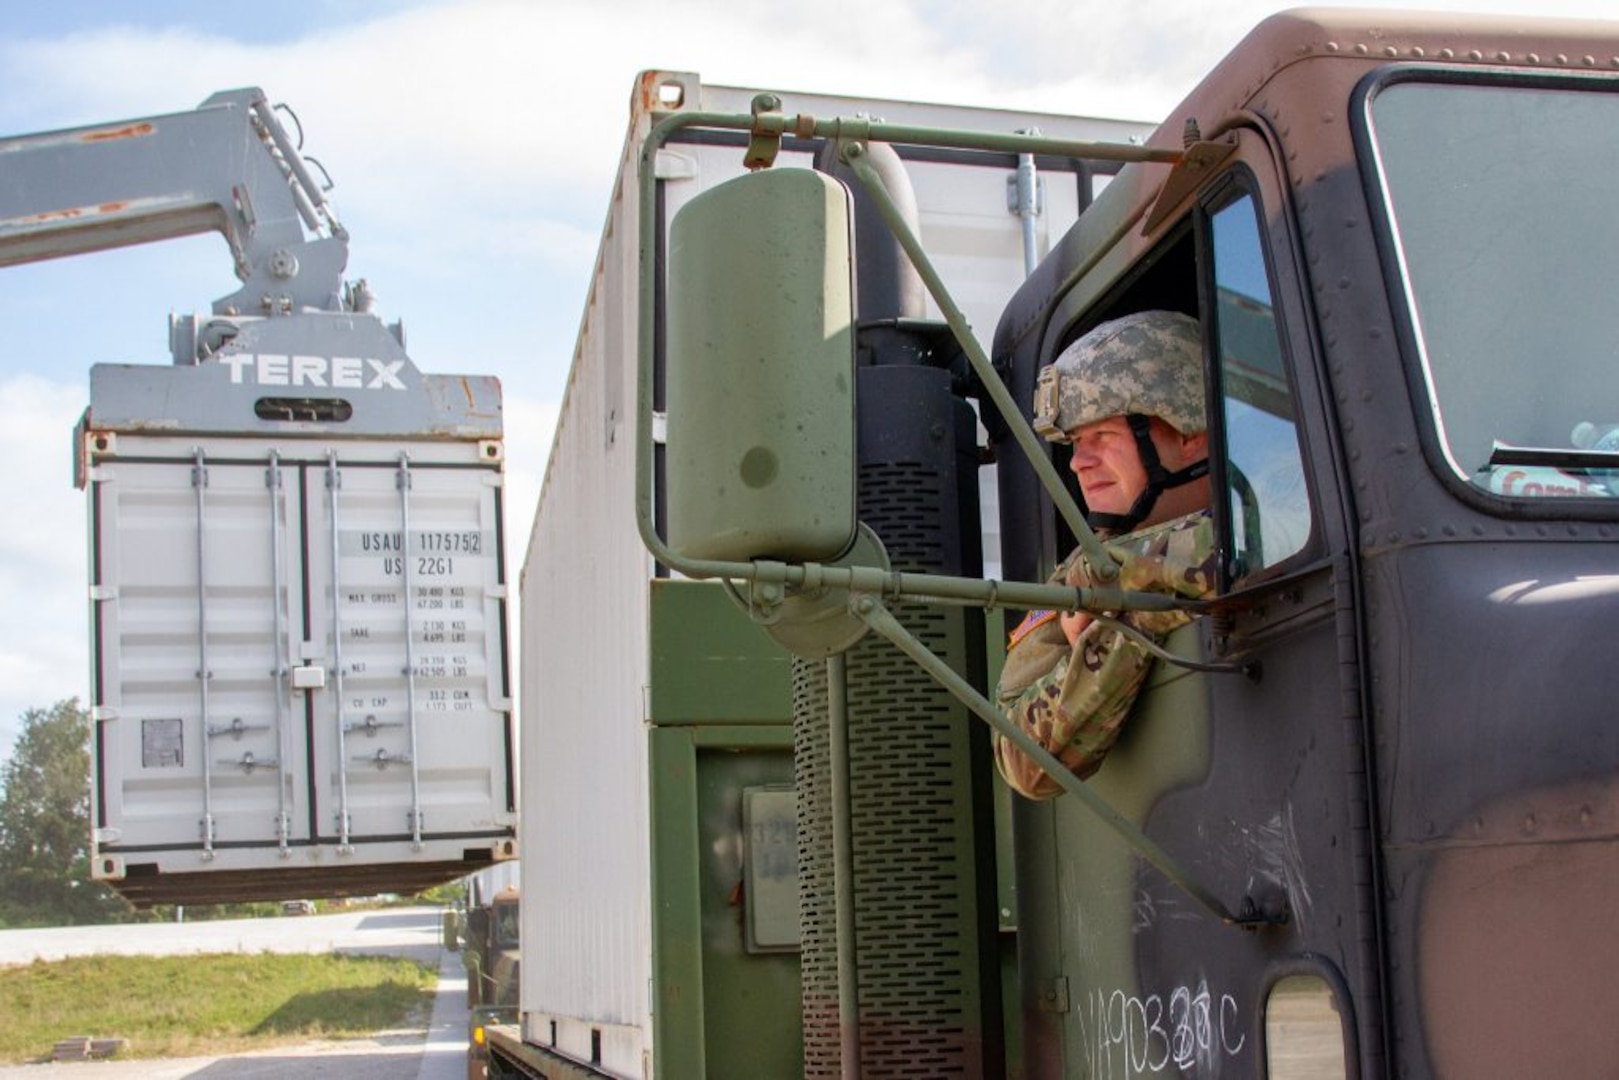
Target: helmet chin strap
[[1159, 480]]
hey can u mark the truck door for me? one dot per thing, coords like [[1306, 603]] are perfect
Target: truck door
[[410, 552], [1255, 781]]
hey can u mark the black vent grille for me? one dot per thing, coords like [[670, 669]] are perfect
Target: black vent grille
[[915, 895]]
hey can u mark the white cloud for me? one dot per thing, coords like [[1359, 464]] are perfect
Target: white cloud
[[43, 635], [486, 246], [529, 428], [429, 112], [498, 96]]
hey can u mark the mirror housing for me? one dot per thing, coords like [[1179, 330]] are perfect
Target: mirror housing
[[760, 371]]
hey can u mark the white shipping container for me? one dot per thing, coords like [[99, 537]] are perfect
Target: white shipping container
[[586, 576], [299, 655]]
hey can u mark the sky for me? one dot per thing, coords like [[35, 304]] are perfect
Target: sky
[[473, 147]]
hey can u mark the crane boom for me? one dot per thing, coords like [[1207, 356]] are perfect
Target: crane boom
[[227, 166]]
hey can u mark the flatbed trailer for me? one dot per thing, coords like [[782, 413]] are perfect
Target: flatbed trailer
[[510, 1056]]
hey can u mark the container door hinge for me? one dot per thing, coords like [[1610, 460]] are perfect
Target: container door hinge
[[1054, 995]]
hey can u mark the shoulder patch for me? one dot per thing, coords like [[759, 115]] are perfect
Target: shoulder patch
[[1033, 621]]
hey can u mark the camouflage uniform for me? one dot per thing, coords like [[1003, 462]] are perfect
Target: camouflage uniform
[[1073, 700]]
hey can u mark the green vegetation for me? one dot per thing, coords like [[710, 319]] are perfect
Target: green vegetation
[[189, 1005], [45, 825]]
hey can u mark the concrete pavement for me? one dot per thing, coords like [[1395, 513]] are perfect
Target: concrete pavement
[[414, 932]]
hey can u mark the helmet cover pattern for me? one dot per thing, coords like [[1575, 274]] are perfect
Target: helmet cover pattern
[[1148, 362]]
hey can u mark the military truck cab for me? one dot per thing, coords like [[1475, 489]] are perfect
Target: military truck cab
[[1363, 819], [493, 950], [1398, 240]]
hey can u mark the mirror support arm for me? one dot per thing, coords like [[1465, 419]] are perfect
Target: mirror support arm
[[766, 124], [871, 611]]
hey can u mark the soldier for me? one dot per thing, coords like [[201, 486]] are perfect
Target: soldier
[[1129, 397]]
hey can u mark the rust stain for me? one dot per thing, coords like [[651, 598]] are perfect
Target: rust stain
[[649, 92], [466, 388], [129, 131], [646, 90], [72, 213]]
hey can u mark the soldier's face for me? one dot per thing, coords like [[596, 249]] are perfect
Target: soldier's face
[[1108, 466]]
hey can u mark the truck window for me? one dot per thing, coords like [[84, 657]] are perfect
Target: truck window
[[1499, 213], [1265, 493], [1304, 1031], [508, 925]]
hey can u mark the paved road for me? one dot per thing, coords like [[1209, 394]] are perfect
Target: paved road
[[414, 932], [437, 1054]]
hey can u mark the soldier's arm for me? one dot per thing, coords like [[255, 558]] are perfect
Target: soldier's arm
[[1075, 711], [1077, 706]]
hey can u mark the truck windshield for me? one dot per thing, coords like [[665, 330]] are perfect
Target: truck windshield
[[507, 923], [1501, 200]]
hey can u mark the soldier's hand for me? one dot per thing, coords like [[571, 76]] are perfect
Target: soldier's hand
[[1074, 624]]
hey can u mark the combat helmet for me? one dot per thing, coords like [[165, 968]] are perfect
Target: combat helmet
[[1146, 364]]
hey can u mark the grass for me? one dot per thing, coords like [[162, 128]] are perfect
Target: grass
[[179, 1006]]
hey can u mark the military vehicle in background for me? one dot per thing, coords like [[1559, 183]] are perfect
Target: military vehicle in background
[[491, 952]]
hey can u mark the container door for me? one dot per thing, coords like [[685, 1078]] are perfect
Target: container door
[[406, 586], [197, 601]]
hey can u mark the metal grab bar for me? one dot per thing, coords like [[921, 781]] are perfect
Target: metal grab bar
[[334, 481], [199, 481], [403, 480], [283, 822]]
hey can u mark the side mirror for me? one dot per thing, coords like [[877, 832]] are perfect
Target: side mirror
[[760, 371]]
